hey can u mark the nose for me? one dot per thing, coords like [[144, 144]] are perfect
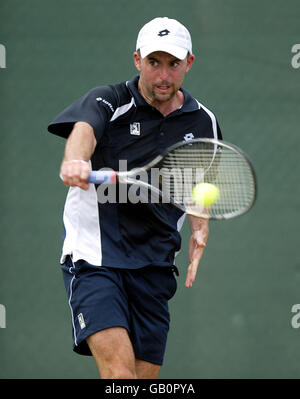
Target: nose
[[164, 72]]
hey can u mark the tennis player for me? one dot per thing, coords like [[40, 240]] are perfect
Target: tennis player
[[118, 257]]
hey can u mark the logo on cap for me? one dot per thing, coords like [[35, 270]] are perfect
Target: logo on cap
[[164, 32]]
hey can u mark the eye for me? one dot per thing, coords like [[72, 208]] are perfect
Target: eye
[[174, 64], [153, 63]]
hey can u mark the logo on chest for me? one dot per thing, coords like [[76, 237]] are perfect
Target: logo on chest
[[135, 128]]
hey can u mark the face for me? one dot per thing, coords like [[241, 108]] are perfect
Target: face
[[161, 75]]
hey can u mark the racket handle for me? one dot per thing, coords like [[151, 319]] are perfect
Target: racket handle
[[102, 176]]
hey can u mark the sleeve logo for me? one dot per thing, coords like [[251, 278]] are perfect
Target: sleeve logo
[[100, 99]]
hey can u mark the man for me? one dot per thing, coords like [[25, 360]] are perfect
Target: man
[[118, 258]]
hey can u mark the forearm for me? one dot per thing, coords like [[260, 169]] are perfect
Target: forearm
[[81, 143], [197, 223], [80, 146]]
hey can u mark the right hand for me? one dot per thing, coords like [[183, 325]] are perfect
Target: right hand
[[75, 173]]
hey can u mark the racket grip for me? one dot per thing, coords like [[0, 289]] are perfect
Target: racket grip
[[102, 176]]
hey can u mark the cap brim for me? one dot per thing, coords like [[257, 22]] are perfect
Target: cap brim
[[176, 51]]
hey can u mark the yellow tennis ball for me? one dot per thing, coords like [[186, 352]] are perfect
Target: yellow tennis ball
[[205, 194]]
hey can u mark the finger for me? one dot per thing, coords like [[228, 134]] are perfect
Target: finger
[[189, 280], [67, 173], [191, 275], [84, 185], [85, 170], [193, 267], [84, 174]]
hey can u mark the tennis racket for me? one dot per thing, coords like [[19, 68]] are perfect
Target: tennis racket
[[189, 163]]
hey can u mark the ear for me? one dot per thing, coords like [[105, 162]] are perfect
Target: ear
[[137, 60], [190, 61]]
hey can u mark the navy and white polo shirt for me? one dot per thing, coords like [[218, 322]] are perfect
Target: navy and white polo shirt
[[127, 128]]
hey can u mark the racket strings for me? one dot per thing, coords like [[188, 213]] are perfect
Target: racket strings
[[196, 163]]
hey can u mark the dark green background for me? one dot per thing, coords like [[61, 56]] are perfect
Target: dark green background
[[236, 320]]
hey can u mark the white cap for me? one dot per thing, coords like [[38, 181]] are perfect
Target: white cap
[[164, 34]]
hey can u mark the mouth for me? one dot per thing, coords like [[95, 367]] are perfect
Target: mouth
[[163, 88]]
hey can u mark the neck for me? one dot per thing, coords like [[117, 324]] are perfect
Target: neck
[[168, 107]]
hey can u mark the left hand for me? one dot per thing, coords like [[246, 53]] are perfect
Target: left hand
[[196, 248]]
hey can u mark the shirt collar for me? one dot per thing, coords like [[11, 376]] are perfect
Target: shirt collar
[[190, 104]]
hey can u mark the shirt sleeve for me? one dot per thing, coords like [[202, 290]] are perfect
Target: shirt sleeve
[[96, 108]]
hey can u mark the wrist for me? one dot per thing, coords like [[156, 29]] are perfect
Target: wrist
[[76, 160]]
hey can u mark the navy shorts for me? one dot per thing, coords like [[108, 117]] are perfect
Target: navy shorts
[[136, 299]]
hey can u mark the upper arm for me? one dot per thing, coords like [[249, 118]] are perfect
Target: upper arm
[[87, 130], [81, 143]]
